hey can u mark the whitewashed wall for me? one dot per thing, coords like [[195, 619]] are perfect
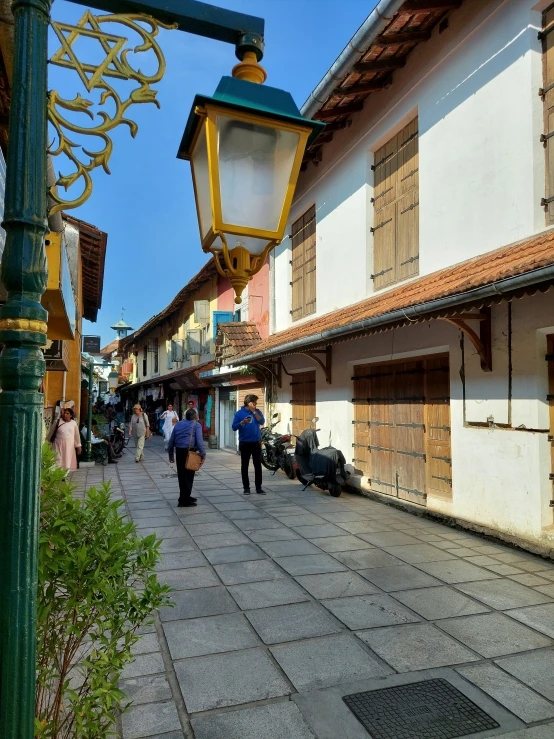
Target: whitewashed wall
[[500, 476], [474, 90]]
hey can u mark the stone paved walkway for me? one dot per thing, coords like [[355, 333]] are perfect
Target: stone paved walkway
[[287, 602]]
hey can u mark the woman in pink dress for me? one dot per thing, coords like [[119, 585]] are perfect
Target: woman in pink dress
[[66, 440]]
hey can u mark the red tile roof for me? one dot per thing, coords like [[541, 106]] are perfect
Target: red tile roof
[[234, 339], [516, 259]]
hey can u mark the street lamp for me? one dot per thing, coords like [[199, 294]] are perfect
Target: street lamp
[[113, 381], [245, 145]]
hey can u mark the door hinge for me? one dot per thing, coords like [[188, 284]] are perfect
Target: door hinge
[[379, 449], [444, 479], [545, 136], [413, 454], [375, 228], [414, 205], [380, 274], [443, 459]]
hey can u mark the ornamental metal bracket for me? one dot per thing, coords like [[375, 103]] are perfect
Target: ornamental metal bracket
[[326, 365], [273, 367], [482, 341], [116, 64]]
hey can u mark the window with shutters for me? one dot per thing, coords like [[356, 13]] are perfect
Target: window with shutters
[[144, 361], [303, 265], [396, 209], [547, 93]]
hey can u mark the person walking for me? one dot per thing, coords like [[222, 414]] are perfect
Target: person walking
[[65, 440], [248, 422], [139, 429], [168, 417], [186, 436]]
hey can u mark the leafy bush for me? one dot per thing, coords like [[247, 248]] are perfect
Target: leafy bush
[[96, 587]]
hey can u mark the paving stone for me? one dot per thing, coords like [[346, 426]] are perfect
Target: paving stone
[[439, 602], [278, 534], [163, 532], [238, 506], [415, 647], [534, 670], [480, 560], [517, 698], [494, 634], [198, 518], [229, 679], [461, 552], [491, 549], [144, 720], [150, 513], [214, 541], [530, 579], [257, 524], [363, 527], [504, 569], [146, 689], [203, 529], [275, 721], [416, 553], [147, 643], [389, 539], [267, 593], [144, 664], [514, 557], [336, 585], [179, 544], [289, 548], [369, 611], [327, 661], [251, 512], [363, 558], [240, 572], [540, 566], [401, 577], [198, 603], [537, 732], [192, 577], [310, 564], [346, 516], [547, 589], [240, 553], [456, 571], [302, 519], [341, 543], [319, 532], [291, 622], [196, 637], [156, 522], [180, 561], [503, 594], [539, 617]]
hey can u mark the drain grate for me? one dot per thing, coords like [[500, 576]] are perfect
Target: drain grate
[[431, 709]]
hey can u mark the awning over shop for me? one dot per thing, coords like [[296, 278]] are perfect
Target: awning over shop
[[507, 273], [183, 379]]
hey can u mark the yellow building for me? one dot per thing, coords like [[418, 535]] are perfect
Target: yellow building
[[76, 257]]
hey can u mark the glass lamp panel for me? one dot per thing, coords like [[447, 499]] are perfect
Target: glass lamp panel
[[254, 246], [201, 175], [255, 164]]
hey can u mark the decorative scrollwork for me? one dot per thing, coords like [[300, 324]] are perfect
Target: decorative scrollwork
[[116, 64]]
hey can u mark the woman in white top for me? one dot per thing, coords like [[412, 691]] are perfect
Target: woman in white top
[[168, 417]]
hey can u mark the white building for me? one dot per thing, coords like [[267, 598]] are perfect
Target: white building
[[411, 301]]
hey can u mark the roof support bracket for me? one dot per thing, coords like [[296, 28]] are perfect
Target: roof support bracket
[[482, 340], [274, 367], [324, 364]]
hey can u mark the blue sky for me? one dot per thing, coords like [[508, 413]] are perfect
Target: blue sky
[[146, 205]]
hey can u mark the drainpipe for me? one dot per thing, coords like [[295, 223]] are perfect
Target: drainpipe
[[413, 312], [272, 317], [373, 25]]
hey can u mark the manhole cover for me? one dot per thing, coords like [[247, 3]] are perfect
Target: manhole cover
[[431, 709]]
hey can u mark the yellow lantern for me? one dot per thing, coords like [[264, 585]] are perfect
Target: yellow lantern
[[245, 145]]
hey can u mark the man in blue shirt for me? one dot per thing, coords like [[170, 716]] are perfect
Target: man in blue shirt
[[248, 421], [186, 435]]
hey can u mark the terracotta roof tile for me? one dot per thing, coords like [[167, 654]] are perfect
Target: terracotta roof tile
[[235, 338], [516, 259]]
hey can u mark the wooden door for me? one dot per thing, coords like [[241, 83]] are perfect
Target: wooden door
[[402, 427], [303, 401]]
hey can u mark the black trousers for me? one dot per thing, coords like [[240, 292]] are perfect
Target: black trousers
[[186, 477], [251, 449]]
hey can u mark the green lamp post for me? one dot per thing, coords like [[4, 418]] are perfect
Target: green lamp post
[[22, 318]]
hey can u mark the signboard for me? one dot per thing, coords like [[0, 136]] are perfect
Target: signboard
[[91, 344], [103, 386], [56, 357]]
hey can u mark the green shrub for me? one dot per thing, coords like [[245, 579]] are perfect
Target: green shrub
[[96, 587]]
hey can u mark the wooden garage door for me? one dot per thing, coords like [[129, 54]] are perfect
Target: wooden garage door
[[252, 390], [550, 397], [402, 427], [303, 401]]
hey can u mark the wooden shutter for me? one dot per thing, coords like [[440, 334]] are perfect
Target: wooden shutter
[[409, 431], [550, 359], [304, 265], [303, 401], [396, 208], [258, 390], [297, 269], [360, 455], [548, 80], [309, 262], [381, 429]]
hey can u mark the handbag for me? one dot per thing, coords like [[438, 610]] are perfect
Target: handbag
[[194, 460]]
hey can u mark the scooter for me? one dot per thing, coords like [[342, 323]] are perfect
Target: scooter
[[118, 439], [277, 451], [323, 468]]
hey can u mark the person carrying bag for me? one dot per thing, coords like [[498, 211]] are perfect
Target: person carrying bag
[[139, 429], [186, 446]]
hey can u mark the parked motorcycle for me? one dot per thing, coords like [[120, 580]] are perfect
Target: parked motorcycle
[[323, 468], [118, 439], [277, 451]]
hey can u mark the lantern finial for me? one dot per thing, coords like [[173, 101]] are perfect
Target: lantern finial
[[249, 69]]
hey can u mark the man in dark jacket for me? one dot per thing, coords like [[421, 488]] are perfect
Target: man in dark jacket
[[248, 421], [186, 435]]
